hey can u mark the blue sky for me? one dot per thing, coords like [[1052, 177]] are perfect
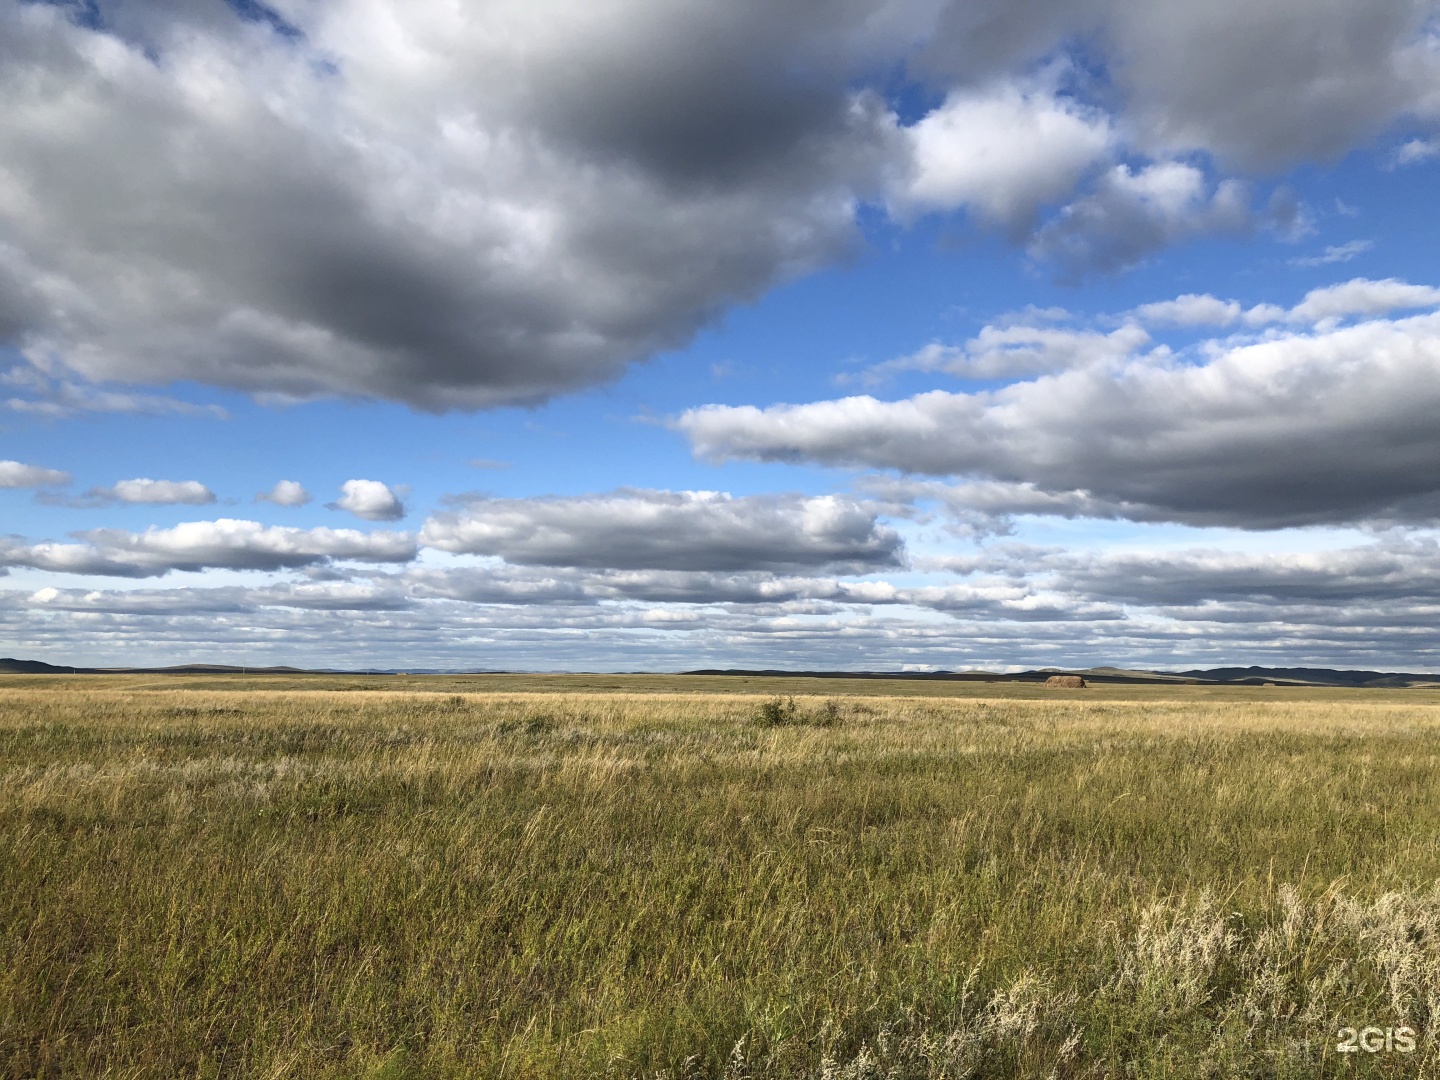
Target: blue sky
[[643, 335]]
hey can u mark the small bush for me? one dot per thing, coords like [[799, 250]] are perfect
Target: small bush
[[778, 712], [783, 712]]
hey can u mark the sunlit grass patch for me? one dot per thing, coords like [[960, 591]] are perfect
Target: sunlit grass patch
[[546, 884]]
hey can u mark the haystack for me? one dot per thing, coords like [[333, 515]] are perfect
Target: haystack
[[1066, 682]]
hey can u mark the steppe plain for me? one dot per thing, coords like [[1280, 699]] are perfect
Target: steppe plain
[[684, 877]]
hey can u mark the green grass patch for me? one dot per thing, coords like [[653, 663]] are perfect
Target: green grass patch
[[538, 884]]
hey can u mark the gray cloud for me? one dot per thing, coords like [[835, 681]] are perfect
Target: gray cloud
[[1371, 605], [39, 394], [1259, 86], [1296, 428], [1395, 570], [197, 545], [667, 530], [333, 596], [1132, 214], [466, 206], [1263, 86], [1009, 350], [313, 215]]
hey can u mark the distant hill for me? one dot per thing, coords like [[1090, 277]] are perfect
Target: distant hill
[[1096, 675], [1233, 676], [11, 666], [1248, 676], [1313, 677]]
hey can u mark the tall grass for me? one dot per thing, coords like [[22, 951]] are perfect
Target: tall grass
[[367, 884]]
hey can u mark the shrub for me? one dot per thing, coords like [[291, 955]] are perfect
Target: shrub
[[778, 712], [783, 712]]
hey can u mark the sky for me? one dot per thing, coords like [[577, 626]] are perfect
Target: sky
[[666, 334]]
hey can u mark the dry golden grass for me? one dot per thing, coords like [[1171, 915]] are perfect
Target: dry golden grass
[[522, 877]]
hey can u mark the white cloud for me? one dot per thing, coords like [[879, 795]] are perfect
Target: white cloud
[[670, 530], [985, 507], [1417, 150], [1319, 307], [1002, 152], [369, 499], [156, 492], [1015, 347], [14, 474], [1133, 213], [285, 493], [462, 206], [1335, 425], [1005, 351], [197, 545], [1371, 605], [1191, 309], [455, 207], [1335, 253], [1262, 86], [1362, 297]]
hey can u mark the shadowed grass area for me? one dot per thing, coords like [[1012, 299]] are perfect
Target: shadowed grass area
[[562, 882]]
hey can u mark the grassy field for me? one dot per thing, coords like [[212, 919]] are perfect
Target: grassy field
[[602, 876]]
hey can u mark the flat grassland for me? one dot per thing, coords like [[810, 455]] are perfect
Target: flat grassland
[[608, 876]]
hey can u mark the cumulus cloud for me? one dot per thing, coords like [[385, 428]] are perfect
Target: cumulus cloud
[[1262, 86], [1259, 86], [1002, 152], [1028, 343], [461, 206], [145, 491], [285, 493], [510, 584], [1008, 605], [671, 530], [1362, 296], [369, 499], [1191, 309], [1395, 569], [1007, 351], [198, 545], [1132, 214], [1333, 425], [987, 508], [14, 474], [1322, 306], [1416, 150], [450, 207]]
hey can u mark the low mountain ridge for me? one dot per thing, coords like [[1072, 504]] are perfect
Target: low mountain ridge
[[1223, 676]]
